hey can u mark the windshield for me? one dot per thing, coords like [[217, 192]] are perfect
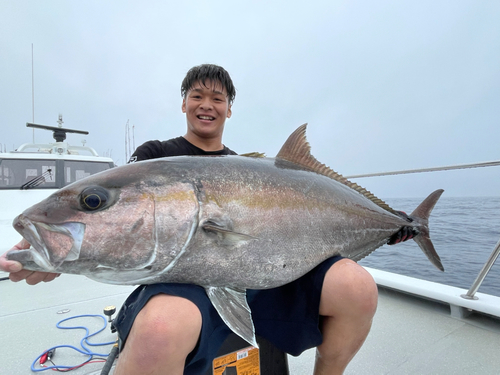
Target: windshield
[[76, 170], [45, 174]]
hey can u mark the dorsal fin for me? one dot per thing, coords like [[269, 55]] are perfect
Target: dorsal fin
[[298, 151]]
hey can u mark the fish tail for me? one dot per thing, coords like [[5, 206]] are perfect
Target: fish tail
[[421, 216]]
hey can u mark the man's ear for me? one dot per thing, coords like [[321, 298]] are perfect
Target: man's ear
[[183, 105], [229, 112]]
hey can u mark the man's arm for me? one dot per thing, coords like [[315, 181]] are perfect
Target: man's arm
[[16, 272]]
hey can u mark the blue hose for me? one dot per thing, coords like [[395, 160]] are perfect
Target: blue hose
[[84, 350]]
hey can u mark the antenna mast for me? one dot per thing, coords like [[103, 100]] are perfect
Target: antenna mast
[[133, 138], [60, 120], [33, 90], [127, 156]]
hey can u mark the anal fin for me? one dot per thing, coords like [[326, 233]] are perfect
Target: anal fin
[[232, 306]]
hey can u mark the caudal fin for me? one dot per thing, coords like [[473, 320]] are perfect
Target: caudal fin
[[421, 216]]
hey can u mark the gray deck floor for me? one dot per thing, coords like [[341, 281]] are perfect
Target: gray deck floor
[[409, 335], [414, 336]]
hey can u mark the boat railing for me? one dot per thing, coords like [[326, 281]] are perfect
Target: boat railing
[[60, 148], [482, 274], [496, 251], [433, 169]]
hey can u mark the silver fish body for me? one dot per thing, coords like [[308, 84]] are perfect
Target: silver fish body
[[227, 223]]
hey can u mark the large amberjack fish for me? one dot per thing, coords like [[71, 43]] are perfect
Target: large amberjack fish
[[227, 223]]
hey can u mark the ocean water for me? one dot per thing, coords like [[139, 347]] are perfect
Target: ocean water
[[464, 232]]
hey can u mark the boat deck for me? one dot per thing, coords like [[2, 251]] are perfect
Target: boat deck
[[416, 336], [409, 336]]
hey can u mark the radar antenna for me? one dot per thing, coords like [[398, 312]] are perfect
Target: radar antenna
[[59, 132]]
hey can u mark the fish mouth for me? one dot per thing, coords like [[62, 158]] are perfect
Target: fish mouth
[[52, 244]]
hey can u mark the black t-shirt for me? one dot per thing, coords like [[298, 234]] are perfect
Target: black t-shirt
[[173, 147]]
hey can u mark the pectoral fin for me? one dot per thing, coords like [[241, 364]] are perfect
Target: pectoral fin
[[225, 233], [232, 306]]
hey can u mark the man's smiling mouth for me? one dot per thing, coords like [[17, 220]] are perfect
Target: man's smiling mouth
[[210, 118]]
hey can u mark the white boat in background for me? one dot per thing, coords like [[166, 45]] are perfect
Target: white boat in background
[[35, 170], [420, 327]]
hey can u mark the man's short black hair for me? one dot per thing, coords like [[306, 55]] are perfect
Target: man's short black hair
[[211, 72]]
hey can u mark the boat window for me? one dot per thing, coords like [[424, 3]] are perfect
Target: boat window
[[76, 170], [22, 173], [45, 174]]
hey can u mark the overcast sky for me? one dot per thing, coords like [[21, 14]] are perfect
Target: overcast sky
[[384, 85]]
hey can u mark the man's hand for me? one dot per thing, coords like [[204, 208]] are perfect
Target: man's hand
[[404, 234], [16, 269]]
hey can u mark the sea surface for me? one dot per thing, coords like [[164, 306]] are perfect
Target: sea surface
[[464, 231]]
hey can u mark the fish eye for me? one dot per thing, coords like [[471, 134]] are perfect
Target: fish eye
[[93, 198]]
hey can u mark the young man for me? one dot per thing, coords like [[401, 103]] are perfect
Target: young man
[[174, 329]]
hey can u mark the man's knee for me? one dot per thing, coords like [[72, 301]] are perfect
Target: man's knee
[[166, 326], [348, 289]]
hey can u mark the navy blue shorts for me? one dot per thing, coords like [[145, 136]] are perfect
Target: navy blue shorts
[[287, 316]]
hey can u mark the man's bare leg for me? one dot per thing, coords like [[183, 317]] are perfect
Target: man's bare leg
[[348, 303], [163, 334]]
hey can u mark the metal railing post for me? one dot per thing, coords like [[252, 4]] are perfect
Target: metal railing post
[[486, 268]]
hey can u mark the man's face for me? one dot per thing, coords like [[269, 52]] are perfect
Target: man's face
[[206, 108]]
